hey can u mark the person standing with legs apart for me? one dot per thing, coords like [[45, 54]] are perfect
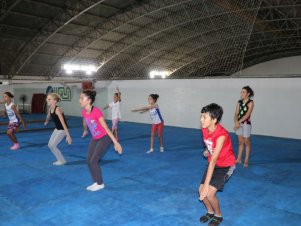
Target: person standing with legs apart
[[101, 137], [61, 128], [116, 111], [242, 120], [221, 162], [14, 119], [157, 120]]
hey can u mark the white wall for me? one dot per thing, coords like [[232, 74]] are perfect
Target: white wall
[[277, 102]]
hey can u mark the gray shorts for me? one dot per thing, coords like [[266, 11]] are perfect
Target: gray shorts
[[244, 130]]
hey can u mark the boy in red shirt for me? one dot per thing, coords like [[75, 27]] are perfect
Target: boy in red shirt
[[221, 162]]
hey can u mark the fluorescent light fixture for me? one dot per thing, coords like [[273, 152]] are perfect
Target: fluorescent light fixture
[[89, 69], [160, 74]]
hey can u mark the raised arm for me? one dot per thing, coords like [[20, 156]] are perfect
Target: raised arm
[[59, 113], [118, 94]]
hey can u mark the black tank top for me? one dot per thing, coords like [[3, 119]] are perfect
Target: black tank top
[[243, 109], [56, 120]]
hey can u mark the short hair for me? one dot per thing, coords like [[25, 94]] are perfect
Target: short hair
[[214, 110]]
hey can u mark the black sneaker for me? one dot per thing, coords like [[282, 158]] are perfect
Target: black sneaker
[[215, 221], [206, 217]]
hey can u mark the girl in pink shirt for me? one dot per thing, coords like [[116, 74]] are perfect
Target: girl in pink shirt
[[101, 137]]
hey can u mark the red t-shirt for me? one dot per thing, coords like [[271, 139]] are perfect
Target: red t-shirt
[[226, 156]]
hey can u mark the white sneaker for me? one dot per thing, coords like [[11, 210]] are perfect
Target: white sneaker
[[97, 187], [92, 185], [59, 163], [150, 151], [161, 149]]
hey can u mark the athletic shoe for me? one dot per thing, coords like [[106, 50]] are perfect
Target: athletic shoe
[[97, 187], [150, 151], [92, 185], [59, 163], [215, 221], [16, 146], [161, 149]]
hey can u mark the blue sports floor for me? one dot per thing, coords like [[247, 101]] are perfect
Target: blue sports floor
[[141, 190]]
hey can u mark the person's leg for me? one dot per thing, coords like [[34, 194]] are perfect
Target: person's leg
[[160, 135], [248, 148], [56, 137], [11, 135], [96, 155], [240, 148], [207, 204], [214, 201], [153, 132]]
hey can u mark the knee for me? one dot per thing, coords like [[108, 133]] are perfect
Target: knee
[[247, 142], [91, 162], [9, 132], [241, 142], [51, 146], [211, 195]]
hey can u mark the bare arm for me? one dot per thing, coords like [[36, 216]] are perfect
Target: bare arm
[[18, 115], [106, 107], [85, 132], [144, 109], [59, 113], [104, 125], [47, 118], [219, 144], [118, 94], [236, 123]]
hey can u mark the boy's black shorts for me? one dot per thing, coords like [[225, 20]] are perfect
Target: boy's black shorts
[[219, 177]]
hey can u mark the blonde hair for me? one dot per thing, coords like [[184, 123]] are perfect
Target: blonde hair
[[55, 96]]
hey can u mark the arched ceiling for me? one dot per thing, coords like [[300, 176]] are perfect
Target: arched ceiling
[[127, 39]]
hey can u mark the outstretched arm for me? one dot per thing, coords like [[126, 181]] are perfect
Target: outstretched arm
[[106, 107], [18, 115], [104, 125], [144, 109]]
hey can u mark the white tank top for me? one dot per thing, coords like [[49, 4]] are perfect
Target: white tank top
[[10, 113]]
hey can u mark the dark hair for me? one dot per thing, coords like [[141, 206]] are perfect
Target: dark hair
[[90, 94], [249, 90], [154, 96], [9, 94], [118, 94], [215, 111]]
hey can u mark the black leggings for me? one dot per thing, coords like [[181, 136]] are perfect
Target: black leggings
[[97, 149]]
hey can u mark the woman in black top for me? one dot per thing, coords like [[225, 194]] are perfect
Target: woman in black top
[[61, 128]]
